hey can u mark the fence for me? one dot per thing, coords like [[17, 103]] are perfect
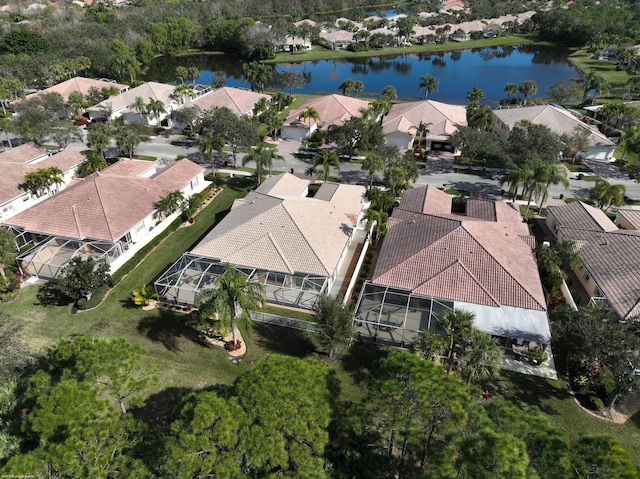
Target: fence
[[284, 321]]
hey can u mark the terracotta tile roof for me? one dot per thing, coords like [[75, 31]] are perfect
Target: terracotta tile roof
[[26, 158], [333, 109], [102, 206], [557, 119], [426, 199], [613, 260], [80, 84], [285, 234], [131, 168], [445, 119], [494, 211], [482, 262], [239, 101], [632, 216], [578, 215]]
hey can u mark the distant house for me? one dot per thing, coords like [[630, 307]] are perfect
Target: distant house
[[122, 105], [16, 162], [108, 215], [293, 44], [238, 100], [81, 84], [442, 120], [558, 120], [432, 261], [294, 245], [610, 272], [339, 39], [333, 110]]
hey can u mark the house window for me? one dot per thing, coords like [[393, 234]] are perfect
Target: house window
[[586, 276], [556, 227], [6, 207], [598, 292], [139, 227], [194, 182]]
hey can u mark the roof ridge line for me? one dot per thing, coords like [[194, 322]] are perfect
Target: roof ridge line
[[516, 281], [305, 239], [102, 209], [277, 247]]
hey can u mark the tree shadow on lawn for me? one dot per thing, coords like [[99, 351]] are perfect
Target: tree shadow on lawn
[[359, 360], [168, 327], [529, 390], [281, 340]]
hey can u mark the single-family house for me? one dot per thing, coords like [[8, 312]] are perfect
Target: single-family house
[[610, 269], [400, 125], [81, 84], [332, 110], [240, 101], [294, 245], [338, 39], [108, 215], [27, 158], [557, 119], [432, 261], [122, 105]]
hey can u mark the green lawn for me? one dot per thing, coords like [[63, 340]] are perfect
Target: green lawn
[[607, 69]]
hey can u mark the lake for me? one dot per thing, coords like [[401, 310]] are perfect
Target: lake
[[489, 69]]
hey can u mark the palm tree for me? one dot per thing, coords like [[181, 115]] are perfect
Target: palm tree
[[389, 93], [94, 162], [380, 218], [54, 177], [167, 205], [591, 81], [519, 177], [77, 102], [543, 175], [631, 138], [511, 89], [475, 95], [607, 194], [358, 86], [182, 92], [423, 131], [372, 164], [457, 325], [429, 83], [346, 85], [263, 157], [380, 108], [99, 137], [482, 356], [308, 114], [232, 296], [208, 144], [127, 139], [155, 109], [326, 160], [257, 74], [140, 106], [527, 89]]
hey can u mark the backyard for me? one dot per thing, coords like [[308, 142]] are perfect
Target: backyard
[[185, 364]]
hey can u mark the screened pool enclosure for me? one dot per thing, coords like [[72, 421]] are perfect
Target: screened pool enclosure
[[396, 316], [182, 282]]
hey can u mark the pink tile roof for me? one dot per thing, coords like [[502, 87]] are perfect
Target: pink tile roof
[[80, 84], [18, 161], [469, 260], [444, 119], [579, 215], [427, 199], [103, 206], [281, 186], [239, 101], [333, 109]]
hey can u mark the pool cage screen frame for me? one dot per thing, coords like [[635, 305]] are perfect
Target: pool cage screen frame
[[191, 274]]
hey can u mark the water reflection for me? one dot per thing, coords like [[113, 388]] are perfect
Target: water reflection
[[490, 69]]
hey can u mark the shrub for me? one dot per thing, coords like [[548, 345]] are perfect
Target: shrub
[[96, 298], [576, 297], [594, 402]]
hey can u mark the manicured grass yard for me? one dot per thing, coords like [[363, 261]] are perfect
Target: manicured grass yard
[[184, 364]]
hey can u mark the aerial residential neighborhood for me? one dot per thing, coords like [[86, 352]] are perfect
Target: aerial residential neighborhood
[[325, 240]]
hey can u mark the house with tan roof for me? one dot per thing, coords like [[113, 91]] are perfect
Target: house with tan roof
[[610, 270], [400, 125], [338, 39], [432, 261], [16, 162], [238, 100], [81, 84], [292, 244], [558, 120], [108, 215], [333, 110], [122, 105]]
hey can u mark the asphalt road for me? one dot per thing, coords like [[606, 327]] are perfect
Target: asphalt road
[[438, 172]]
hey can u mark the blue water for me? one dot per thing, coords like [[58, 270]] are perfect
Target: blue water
[[489, 69]]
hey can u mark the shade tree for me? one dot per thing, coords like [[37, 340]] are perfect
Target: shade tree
[[334, 320], [238, 132], [81, 278]]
